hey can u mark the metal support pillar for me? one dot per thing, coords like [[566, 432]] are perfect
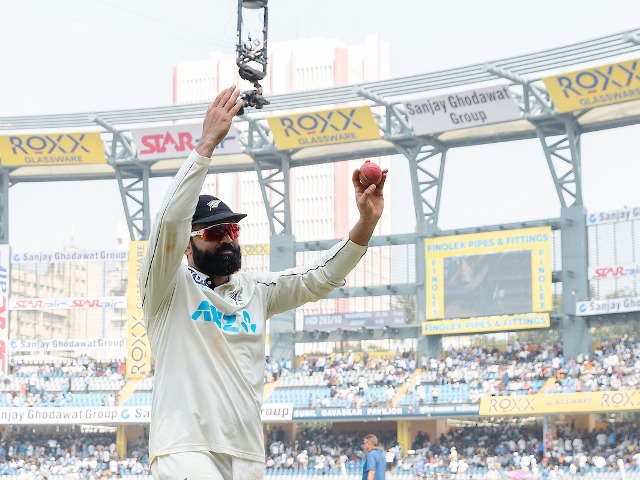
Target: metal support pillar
[[273, 172], [576, 337], [272, 167], [426, 167], [4, 207], [560, 140], [282, 326], [561, 144], [273, 176], [133, 181]]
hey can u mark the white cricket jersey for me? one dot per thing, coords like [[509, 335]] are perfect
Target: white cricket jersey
[[209, 343]]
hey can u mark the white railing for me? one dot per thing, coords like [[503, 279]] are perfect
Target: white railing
[[504, 475], [314, 475]]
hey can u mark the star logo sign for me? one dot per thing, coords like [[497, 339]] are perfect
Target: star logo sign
[[213, 204]]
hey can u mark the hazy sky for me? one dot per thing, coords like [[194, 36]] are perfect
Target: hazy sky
[[84, 55]]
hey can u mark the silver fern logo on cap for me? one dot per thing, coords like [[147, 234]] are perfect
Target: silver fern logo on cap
[[213, 204]]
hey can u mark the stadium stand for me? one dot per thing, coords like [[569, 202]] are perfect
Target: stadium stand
[[461, 376], [471, 449], [507, 450], [338, 380]]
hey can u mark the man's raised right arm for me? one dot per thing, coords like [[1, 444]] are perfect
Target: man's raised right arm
[[170, 233]]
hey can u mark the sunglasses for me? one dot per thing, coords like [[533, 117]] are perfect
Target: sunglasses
[[215, 233]]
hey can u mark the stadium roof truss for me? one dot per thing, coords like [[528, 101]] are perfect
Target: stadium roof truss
[[559, 134]]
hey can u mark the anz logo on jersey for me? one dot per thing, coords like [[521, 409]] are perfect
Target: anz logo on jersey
[[227, 323]]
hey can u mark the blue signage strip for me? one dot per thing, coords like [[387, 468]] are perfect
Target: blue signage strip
[[389, 318], [368, 413]]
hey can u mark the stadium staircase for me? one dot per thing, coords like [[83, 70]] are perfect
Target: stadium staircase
[[127, 391], [402, 391], [268, 390], [548, 385]]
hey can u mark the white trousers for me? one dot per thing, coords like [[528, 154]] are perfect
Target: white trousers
[[205, 466]]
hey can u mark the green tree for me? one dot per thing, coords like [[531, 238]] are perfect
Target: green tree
[[409, 305]]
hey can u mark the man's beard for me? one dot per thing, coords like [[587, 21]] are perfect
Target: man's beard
[[216, 263]]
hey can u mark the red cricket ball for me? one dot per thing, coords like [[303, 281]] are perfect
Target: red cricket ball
[[370, 173]]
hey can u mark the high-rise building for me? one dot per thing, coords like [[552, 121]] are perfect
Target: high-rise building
[[35, 287], [322, 200]]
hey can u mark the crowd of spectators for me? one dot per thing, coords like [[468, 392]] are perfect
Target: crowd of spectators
[[317, 449], [517, 447], [469, 372], [73, 456], [517, 369], [473, 372], [54, 384], [492, 451]]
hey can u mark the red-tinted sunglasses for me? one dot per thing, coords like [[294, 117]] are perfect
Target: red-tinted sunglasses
[[215, 233]]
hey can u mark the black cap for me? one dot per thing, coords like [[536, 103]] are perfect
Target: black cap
[[213, 210]]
